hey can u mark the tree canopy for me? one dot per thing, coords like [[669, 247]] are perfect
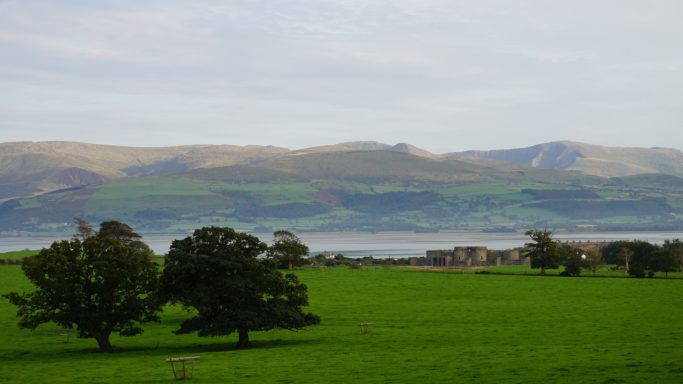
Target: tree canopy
[[217, 272], [664, 260], [573, 260], [543, 252], [287, 249], [98, 285], [676, 248]]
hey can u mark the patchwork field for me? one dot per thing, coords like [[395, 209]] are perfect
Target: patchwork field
[[428, 327]]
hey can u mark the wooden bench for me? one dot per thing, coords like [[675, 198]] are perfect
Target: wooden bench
[[64, 337], [365, 327], [178, 366]]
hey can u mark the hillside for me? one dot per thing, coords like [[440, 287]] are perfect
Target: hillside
[[366, 190], [365, 186], [588, 159], [32, 168], [28, 168]]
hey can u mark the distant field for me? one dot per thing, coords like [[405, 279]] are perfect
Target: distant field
[[428, 327], [17, 255], [499, 202]]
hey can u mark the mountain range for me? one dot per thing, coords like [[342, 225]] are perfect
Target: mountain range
[[30, 168], [350, 186]]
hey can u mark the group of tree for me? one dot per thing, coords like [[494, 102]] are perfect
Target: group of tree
[[334, 260], [638, 258], [641, 258], [106, 281]]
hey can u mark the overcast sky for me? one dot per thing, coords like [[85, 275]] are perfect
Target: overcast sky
[[443, 75]]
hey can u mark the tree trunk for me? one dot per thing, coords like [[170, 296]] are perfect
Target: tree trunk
[[103, 342], [243, 340], [290, 266], [542, 270]]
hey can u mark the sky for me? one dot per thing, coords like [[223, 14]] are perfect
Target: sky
[[442, 75]]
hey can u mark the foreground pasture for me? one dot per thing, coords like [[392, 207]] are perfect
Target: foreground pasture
[[428, 327]]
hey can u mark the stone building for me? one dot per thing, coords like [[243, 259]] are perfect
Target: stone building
[[473, 257], [458, 257], [481, 256]]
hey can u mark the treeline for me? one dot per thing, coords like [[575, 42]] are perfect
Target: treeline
[[641, 258], [638, 258], [107, 281], [333, 260]]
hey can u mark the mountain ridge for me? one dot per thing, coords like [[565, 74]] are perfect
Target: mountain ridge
[[327, 189], [30, 168], [587, 158]]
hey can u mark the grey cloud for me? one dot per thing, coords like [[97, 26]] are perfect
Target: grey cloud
[[476, 74]]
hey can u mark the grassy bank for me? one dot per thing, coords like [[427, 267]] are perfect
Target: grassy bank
[[427, 327], [17, 255]]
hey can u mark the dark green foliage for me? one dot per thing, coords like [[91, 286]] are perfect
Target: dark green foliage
[[543, 251], [594, 261], [99, 285], [640, 261], [83, 228], [389, 202], [593, 209], [216, 271], [284, 211], [118, 231], [664, 260], [640, 257], [551, 194], [676, 248], [572, 260], [614, 253], [287, 250]]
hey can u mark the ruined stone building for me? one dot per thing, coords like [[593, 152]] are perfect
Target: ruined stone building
[[458, 257], [481, 256], [473, 257]]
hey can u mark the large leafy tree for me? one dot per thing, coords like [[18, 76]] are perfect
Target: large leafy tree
[[287, 249], [641, 254], [97, 284], [217, 272], [594, 260], [664, 260], [676, 248], [572, 259], [543, 251]]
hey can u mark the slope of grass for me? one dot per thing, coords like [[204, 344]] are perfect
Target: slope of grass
[[427, 327], [17, 255]]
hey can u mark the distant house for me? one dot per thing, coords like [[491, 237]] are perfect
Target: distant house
[[586, 227]]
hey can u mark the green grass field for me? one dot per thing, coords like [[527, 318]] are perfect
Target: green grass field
[[428, 327], [18, 255]]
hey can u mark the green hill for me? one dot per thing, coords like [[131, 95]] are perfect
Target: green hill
[[358, 190], [30, 168]]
